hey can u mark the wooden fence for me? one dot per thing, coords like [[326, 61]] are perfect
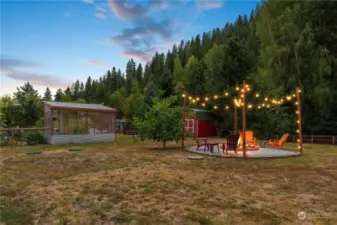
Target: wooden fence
[[315, 139]]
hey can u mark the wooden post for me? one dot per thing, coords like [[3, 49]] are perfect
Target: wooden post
[[299, 120], [52, 122], [86, 123], [59, 121], [244, 120], [183, 123], [235, 119]]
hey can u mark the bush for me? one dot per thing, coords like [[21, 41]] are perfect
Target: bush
[[34, 137]]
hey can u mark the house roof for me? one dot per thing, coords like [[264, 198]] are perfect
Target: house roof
[[79, 106]]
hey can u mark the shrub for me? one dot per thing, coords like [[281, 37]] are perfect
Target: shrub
[[34, 137]]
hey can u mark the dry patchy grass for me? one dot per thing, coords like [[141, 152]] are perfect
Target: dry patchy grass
[[140, 183]]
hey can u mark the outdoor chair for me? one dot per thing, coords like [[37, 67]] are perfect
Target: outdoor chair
[[274, 143], [231, 143], [201, 142], [250, 139]]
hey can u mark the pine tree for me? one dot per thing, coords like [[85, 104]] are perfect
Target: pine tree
[[47, 95], [58, 95]]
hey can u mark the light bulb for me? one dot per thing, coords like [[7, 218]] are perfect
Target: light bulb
[[215, 97], [206, 99], [257, 95], [215, 107], [226, 94], [183, 95], [190, 98]]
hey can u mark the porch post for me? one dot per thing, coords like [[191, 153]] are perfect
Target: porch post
[[244, 119], [299, 120], [183, 123]]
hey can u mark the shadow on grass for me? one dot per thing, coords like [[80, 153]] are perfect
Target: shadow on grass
[[10, 214]]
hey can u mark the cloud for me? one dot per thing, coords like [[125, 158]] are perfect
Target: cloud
[[97, 63], [66, 14], [100, 15], [124, 12], [88, 1], [10, 67], [138, 54], [209, 4], [100, 12]]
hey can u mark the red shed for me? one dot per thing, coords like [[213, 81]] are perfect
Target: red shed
[[201, 124]]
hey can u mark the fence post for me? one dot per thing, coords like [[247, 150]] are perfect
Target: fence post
[[312, 139]]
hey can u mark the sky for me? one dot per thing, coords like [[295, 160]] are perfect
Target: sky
[[53, 43]]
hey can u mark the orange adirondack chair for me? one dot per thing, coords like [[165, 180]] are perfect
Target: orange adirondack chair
[[278, 143], [250, 139]]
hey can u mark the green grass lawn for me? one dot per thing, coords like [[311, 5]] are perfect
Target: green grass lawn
[[129, 182]]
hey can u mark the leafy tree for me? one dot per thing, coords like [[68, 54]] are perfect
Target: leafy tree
[[30, 105], [162, 123], [134, 103], [117, 100]]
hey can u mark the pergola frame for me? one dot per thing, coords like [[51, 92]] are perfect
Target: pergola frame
[[244, 91]]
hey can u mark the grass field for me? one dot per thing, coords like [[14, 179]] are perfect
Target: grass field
[[130, 182]]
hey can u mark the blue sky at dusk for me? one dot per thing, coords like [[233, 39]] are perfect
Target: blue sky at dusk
[[53, 43]]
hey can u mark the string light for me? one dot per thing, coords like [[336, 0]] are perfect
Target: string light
[[294, 96], [248, 89], [259, 107], [241, 96], [237, 88], [298, 140], [263, 105], [190, 98], [215, 107], [266, 99], [250, 106], [297, 131], [288, 98], [226, 94], [257, 95], [203, 104], [297, 121], [296, 103], [215, 97], [183, 95], [299, 146], [193, 100], [206, 99], [296, 111], [242, 90], [268, 106], [299, 90], [227, 107]]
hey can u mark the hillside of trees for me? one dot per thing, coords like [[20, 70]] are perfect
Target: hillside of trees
[[281, 45]]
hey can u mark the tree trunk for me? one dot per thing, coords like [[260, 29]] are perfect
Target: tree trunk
[[164, 144]]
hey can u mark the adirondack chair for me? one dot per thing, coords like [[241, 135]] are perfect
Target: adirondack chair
[[250, 139], [200, 142], [274, 143], [231, 143]]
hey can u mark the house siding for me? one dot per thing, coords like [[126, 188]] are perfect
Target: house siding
[[67, 139]]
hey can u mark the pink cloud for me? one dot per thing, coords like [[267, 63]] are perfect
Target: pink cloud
[[97, 63]]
